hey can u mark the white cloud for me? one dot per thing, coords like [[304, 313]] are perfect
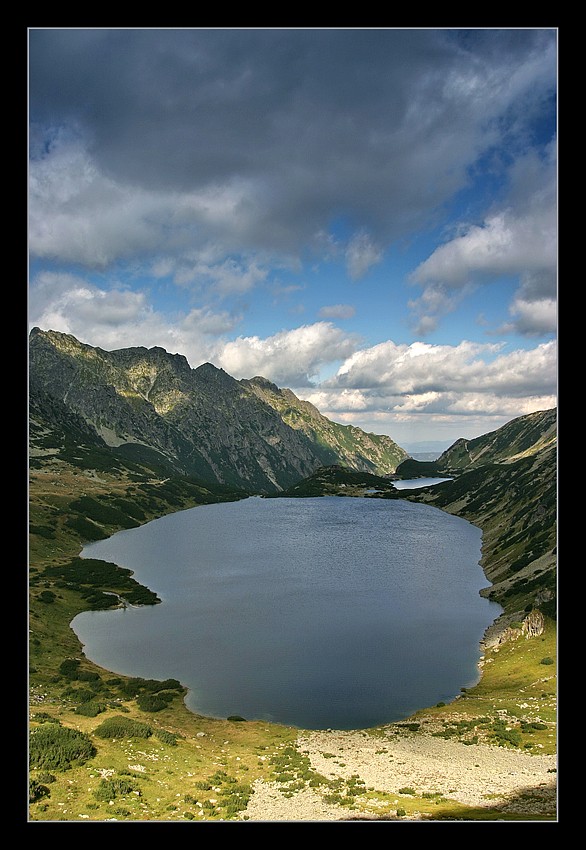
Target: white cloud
[[289, 358], [361, 253], [519, 239], [337, 311], [534, 318], [503, 244], [421, 368], [121, 318]]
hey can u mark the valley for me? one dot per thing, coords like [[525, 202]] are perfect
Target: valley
[[111, 447]]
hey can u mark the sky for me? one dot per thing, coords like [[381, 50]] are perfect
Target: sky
[[367, 216]]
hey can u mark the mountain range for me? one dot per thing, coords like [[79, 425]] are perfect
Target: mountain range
[[139, 403], [146, 433]]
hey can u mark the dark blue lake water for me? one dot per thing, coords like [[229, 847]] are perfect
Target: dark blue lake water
[[319, 613]]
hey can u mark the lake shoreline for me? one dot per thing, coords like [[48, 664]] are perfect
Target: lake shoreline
[[328, 668]]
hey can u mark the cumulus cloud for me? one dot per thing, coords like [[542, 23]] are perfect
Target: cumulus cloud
[[337, 311], [518, 240], [411, 391], [533, 318], [361, 254], [289, 358], [451, 391], [468, 367], [119, 318]]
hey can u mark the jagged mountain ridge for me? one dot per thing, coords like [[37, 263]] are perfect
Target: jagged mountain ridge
[[200, 422]]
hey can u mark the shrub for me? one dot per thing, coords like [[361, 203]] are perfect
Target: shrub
[[166, 737], [36, 791], [90, 709], [401, 813], [43, 717], [46, 778], [79, 694], [88, 676], [407, 790], [43, 531], [58, 747], [69, 668], [109, 789], [546, 660], [47, 596], [123, 727], [148, 702], [87, 530], [235, 718]]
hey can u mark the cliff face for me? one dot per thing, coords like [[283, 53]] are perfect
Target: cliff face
[[199, 422]]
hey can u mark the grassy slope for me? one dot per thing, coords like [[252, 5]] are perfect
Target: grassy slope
[[214, 760]]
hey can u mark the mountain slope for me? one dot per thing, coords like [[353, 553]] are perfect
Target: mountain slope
[[506, 483], [199, 422], [342, 444], [518, 438]]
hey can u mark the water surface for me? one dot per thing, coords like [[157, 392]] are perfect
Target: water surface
[[319, 613]]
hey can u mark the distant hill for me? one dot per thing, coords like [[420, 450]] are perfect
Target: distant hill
[[339, 481]]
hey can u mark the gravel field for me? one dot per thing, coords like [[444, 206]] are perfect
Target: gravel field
[[476, 775]]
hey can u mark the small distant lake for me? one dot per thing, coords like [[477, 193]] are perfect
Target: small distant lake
[[318, 613], [413, 483]]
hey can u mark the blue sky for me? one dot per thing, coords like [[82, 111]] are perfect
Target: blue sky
[[365, 216]]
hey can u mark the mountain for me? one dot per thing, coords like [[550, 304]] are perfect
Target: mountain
[[518, 438], [341, 444], [139, 404]]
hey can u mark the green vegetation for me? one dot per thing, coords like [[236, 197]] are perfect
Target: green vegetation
[[56, 747], [339, 481], [93, 756], [123, 727]]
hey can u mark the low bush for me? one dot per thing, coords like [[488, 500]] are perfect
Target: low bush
[[69, 668], [166, 737], [46, 596], [79, 694], [36, 791], [123, 727], [88, 676], [109, 789], [149, 702], [87, 530], [90, 709], [55, 747]]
